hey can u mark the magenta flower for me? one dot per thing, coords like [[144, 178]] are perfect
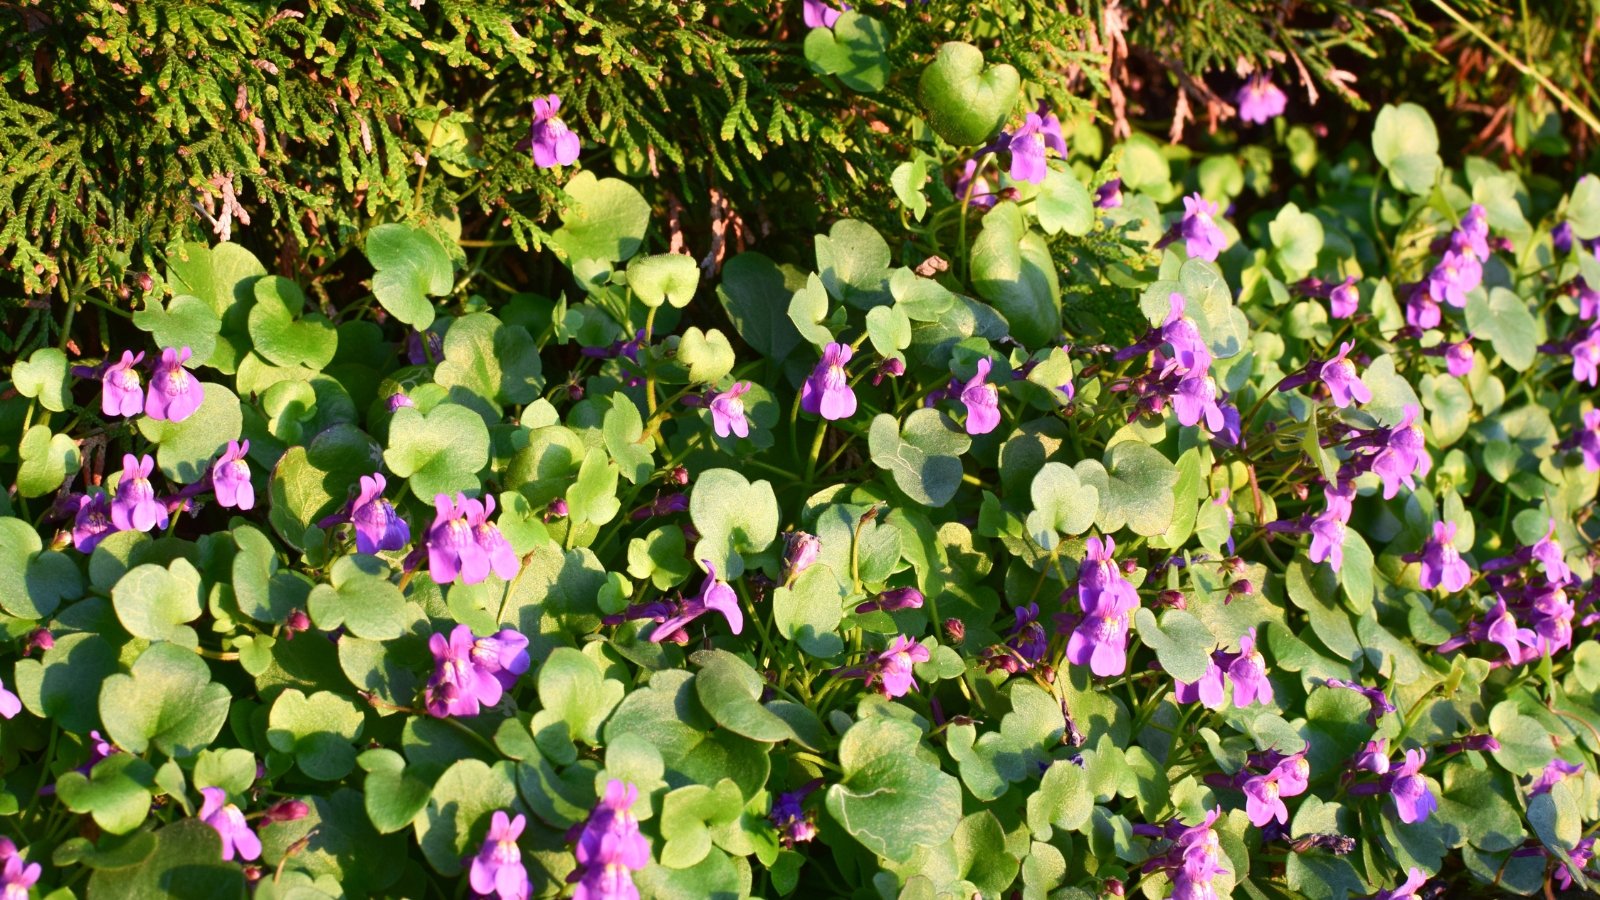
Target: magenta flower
[[1202, 239], [1260, 101], [715, 596], [727, 411], [789, 817], [1586, 357], [610, 847], [1248, 672], [800, 551], [1456, 274], [378, 526], [1473, 235], [1374, 757], [398, 401], [818, 14], [890, 670], [229, 823], [230, 478], [1193, 859], [1422, 311], [1262, 800], [982, 195], [1588, 300], [827, 392], [1403, 454], [1196, 400], [136, 507], [17, 877], [1554, 773], [893, 600], [1458, 359], [502, 559], [1108, 195], [453, 548], [1189, 349], [1100, 641], [92, 522], [503, 655], [1210, 691], [1039, 131], [1339, 374], [1442, 565], [1343, 300], [174, 393], [497, 869], [1328, 528], [1415, 879], [1413, 799], [1294, 773], [10, 704], [460, 685], [122, 393], [1588, 440], [552, 143], [982, 401], [1499, 626]]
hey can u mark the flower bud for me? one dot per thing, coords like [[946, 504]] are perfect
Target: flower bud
[[297, 622], [955, 630], [398, 400], [802, 550], [679, 475], [1170, 599], [1113, 888], [1242, 588], [41, 638], [894, 600], [285, 811], [556, 510], [574, 392]]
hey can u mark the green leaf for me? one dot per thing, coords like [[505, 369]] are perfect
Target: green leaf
[[362, 600], [55, 686], [1182, 642], [166, 700], [593, 496], [264, 591], [668, 715], [907, 180], [1583, 208], [1525, 744], [659, 556], [1504, 318], [1391, 393], [393, 796], [1296, 240], [232, 769], [664, 278], [116, 792], [44, 376], [187, 865], [1498, 196], [688, 815], [1062, 504], [1062, 801], [1064, 204], [411, 267], [708, 355], [730, 690], [964, 102], [982, 856], [606, 219], [923, 455], [853, 260], [186, 450], [318, 730], [576, 701], [280, 333], [223, 277], [854, 49], [735, 517], [756, 292], [889, 329], [155, 602], [336, 842], [185, 321], [892, 798], [1207, 301], [489, 360], [990, 763], [623, 429], [1012, 268], [440, 452], [33, 581], [1135, 485], [456, 818], [1406, 143], [47, 461], [309, 482], [810, 610], [808, 312], [921, 299]]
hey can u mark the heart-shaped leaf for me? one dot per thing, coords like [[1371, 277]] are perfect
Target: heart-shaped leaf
[[411, 266], [854, 49], [47, 460], [1061, 503], [606, 219], [43, 376], [892, 798], [923, 456], [280, 333], [664, 278], [964, 102], [440, 452], [1012, 268], [168, 699], [735, 518]]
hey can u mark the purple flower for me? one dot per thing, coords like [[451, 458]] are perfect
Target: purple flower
[[1500, 627], [818, 14], [1343, 300], [892, 367], [1588, 300], [17, 877], [1473, 235], [981, 196], [122, 393], [1328, 528], [1422, 311], [727, 411], [502, 559], [1263, 802], [378, 526], [230, 478], [136, 507], [1260, 101], [789, 817], [982, 401], [10, 704], [1581, 855], [229, 823], [1196, 400], [503, 655], [1415, 879], [1194, 858], [1442, 565], [398, 401], [890, 670], [1457, 273], [1294, 773], [610, 847], [92, 522], [1202, 239], [174, 392], [453, 548], [800, 551], [1210, 690], [1339, 374], [1189, 350], [552, 143], [498, 869], [1248, 673], [1588, 440], [1040, 130], [1413, 799], [1108, 195], [1561, 238], [1554, 772], [1100, 641], [460, 686], [1404, 454], [715, 596], [1377, 701], [1458, 359], [1586, 357], [827, 392], [893, 600], [1374, 757]]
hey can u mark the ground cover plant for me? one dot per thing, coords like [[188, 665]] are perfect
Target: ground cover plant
[[677, 450]]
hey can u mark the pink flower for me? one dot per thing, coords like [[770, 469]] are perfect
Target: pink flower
[[229, 823]]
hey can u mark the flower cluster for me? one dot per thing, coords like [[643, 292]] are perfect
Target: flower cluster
[[473, 672], [609, 847], [1193, 858], [1532, 614]]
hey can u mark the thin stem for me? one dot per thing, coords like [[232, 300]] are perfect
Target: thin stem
[[1574, 106]]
